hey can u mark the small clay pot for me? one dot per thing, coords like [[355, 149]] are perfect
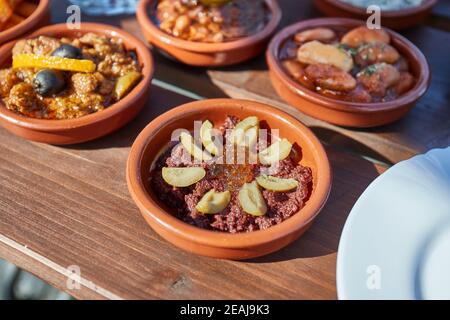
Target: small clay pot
[[339, 112], [156, 136], [91, 126], [39, 18], [207, 54], [394, 19]]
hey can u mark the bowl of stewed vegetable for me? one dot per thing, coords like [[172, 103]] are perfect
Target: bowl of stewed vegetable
[[65, 86]]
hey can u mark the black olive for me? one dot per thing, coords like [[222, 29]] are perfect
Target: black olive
[[48, 82], [68, 51], [133, 56]]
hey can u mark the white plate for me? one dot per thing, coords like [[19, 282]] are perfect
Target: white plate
[[395, 243]]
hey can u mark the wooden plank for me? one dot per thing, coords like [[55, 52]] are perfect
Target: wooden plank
[[70, 206], [426, 127]]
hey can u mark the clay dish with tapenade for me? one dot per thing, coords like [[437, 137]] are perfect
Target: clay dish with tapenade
[[225, 209], [199, 33], [64, 86], [339, 71]]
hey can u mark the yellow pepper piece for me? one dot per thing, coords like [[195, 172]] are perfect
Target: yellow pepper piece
[[49, 62], [126, 83]]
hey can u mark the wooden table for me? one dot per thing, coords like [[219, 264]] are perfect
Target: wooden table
[[65, 206]]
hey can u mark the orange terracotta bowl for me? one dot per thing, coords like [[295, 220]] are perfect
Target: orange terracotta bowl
[[156, 136], [398, 19], [91, 126], [345, 113], [40, 17], [207, 54]]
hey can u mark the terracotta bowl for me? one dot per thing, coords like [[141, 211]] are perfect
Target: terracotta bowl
[[344, 113], [40, 17], [91, 126], [207, 54], [155, 138], [395, 19]]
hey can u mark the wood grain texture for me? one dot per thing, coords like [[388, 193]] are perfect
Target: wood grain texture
[[70, 206], [426, 127]]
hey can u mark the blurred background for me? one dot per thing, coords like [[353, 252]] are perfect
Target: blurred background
[[15, 283]]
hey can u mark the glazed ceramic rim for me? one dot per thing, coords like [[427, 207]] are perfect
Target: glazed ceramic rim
[[146, 22], [426, 5], [48, 125], [29, 22], [412, 95], [147, 204]]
